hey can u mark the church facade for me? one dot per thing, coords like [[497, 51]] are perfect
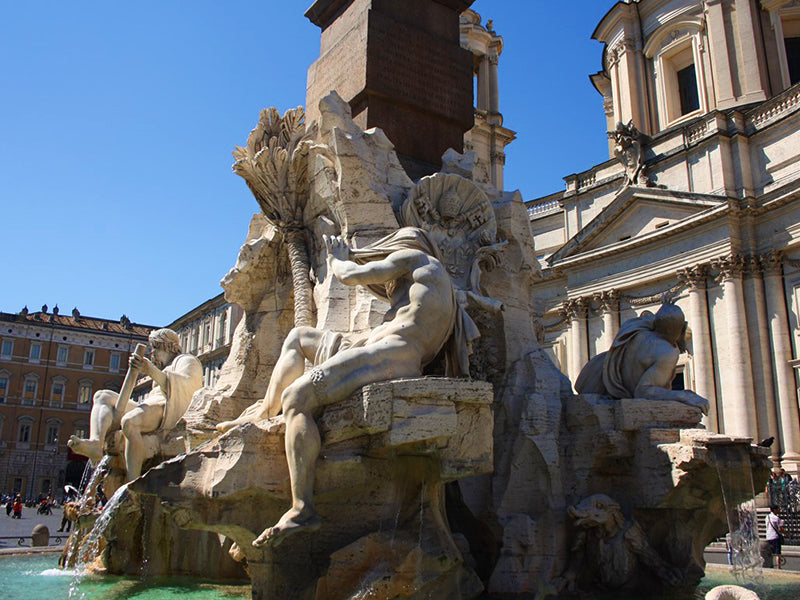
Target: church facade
[[699, 203]]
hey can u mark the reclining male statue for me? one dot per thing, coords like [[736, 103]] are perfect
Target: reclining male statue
[[641, 361], [404, 269], [176, 376]]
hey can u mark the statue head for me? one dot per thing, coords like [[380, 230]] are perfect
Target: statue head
[[166, 346], [598, 512], [670, 324]]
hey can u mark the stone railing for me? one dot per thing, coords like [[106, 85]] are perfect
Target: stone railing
[[776, 107], [541, 207]]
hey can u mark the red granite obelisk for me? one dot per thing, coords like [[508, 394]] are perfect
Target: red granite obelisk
[[400, 65]]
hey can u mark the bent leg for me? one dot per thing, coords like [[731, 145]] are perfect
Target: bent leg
[[330, 382], [302, 449], [100, 423], [301, 344], [146, 417]]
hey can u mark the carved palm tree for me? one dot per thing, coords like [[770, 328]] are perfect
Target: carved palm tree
[[274, 163]]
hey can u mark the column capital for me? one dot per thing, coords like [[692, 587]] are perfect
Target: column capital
[[772, 262], [694, 277], [608, 300], [574, 308], [729, 267]]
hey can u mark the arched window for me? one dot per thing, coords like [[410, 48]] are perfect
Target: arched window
[[676, 52]]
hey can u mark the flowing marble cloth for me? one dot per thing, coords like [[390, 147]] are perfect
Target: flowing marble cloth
[[184, 378], [457, 345], [604, 374]]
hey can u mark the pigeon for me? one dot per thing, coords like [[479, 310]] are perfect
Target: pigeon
[[766, 443]]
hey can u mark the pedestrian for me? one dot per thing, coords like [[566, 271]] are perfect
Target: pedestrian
[[9, 506], [18, 507], [775, 533]]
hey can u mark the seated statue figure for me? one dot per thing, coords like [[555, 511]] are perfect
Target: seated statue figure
[[176, 376], [404, 269], [641, 361]]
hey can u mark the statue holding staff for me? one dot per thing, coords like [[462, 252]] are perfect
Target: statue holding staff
[[176, 377]]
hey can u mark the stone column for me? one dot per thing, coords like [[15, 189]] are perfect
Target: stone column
[[720, 53], [761, 352], [782, 353], [482, 101], [494, 94], [609, 303], [703, 359], [739, 415], [575, 310]]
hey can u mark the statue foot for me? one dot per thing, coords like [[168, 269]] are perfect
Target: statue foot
[[226, 426], [292, 522], [91, 448]]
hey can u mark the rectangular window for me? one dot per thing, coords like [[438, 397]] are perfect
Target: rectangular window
[[36, 353], [52, 435], [687, 90], [29, 391], [84, 394], [792, 45], [681, 91], [57, 393], [679, 382], [88, 359], [63, 355], [3, 388], [8, 349], [113, 362], [24, 433], [17, 485]]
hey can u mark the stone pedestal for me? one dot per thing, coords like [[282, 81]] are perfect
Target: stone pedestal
[[386, 455], [401, 67]]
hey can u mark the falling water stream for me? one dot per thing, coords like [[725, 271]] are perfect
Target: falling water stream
[[735, 476]]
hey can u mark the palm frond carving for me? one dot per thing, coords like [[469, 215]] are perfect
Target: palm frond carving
[[274, 163]]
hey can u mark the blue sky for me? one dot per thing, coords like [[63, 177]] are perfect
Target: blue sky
[[117, 121]]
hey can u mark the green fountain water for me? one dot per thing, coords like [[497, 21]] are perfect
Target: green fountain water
[[39, 578]]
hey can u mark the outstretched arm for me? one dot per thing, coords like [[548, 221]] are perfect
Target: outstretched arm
[[655, 381], [348, 272]]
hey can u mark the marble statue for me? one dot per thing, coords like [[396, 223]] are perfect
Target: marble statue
[[629, 151], [609, 549], [423, 319], [176, 376], [424, 484], [730, 592], [641, 361]]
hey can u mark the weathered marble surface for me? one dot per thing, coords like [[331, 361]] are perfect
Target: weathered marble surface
[[387, 453]]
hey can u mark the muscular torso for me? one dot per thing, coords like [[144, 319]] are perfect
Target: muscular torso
[[422, 308], [652, 361]]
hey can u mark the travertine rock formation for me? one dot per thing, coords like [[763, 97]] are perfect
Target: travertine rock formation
[[432, 486]]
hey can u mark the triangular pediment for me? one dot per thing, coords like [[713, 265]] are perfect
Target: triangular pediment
[[634, 213]]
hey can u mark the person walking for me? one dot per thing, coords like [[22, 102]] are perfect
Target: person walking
[[17, 507], [775, 533]]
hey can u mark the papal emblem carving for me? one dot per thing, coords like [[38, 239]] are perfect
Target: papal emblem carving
[[460, 220]]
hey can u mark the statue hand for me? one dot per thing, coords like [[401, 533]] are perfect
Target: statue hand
[[141, 364], [336, 247]]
